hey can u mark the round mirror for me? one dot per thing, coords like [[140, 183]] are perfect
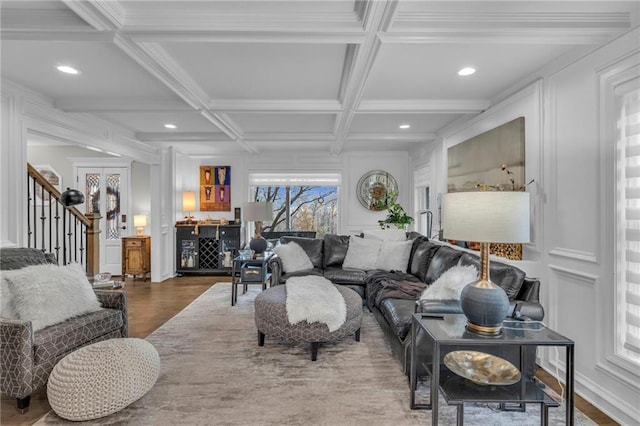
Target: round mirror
[[373, 189]]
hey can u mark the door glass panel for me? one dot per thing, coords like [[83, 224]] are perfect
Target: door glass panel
[[93, 192], [113, 206]]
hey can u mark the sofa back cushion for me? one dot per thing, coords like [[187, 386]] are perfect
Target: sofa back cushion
[[422, 252], [335, 249], [312, 246], [506, 276], [443, 259]]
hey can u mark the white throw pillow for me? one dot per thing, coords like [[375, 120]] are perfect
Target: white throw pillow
[[6, 306], [449, 285], [293, 257], [362, 253], [394, 255], [390, 234], [50, 294]]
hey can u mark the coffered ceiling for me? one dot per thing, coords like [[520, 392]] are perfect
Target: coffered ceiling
[[303, 75]]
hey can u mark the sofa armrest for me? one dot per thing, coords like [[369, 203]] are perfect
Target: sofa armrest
[[16, 359], [275, 265], [445, 306], [531, 310], [115, 299]]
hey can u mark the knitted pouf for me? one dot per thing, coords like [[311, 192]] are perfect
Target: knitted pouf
[[102, 378]]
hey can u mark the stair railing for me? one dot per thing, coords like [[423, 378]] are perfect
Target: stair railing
[[64, 231]]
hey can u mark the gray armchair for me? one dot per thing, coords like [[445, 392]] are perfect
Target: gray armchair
[[27, 357]]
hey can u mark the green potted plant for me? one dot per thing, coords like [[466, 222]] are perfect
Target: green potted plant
[[395, 214]]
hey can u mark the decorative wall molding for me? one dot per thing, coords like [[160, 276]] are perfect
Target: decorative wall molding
[[574, 254], [575, 275]]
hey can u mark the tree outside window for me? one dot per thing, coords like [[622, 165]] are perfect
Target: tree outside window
[[301, 208]]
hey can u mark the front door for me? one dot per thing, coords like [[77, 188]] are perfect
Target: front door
[[106, 192]]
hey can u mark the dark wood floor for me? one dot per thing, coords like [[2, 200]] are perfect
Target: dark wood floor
[[152, 304]]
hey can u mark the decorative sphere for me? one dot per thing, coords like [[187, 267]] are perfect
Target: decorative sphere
[[484, 306], [258, 245]]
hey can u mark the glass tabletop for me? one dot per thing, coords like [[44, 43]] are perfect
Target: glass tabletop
[[450, 329]]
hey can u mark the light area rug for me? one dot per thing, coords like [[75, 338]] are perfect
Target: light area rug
[[214, 373]]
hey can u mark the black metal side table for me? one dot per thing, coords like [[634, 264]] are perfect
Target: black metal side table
[[249, 270], [446, 331]]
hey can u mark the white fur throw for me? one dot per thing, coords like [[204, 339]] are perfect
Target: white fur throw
[[49, 294], [450, 284], [6, 308], [314, 298], [394, 255], [293, 257], [362, 253]]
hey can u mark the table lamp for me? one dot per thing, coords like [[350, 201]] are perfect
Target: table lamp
[[188, 204], [486, 217], [254, 211], [139, 221]]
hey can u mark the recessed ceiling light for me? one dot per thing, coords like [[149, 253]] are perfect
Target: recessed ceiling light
[[93, 148], [466, 71], [404, 126], [67, 69], [170, 126]]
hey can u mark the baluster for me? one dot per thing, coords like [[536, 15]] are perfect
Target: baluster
[[42, 218], [57, 217]]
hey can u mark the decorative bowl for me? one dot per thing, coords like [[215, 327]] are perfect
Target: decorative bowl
[[482, 368], [102, 277]]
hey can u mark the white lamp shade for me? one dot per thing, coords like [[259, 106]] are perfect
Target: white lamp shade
[[254, 211], [139, 220], [486, 216], [188, 201]]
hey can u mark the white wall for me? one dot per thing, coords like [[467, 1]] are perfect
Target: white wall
[[572, 246], [353, 217]]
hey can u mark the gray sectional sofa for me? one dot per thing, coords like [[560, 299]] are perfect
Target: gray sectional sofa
[[28, 357], [393, 305]]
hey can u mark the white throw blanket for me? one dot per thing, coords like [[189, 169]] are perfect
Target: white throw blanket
[[315, 299]]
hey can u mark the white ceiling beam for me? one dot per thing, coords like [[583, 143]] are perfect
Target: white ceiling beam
[[408, 137], [276, 106], [182, 136], [293, 136], [103, 15], [355, 75], [507, 36], [430, 106], [255, 36], [81, 36], [514, 18], [122, 105], [157, 61], [202, 17], [42, 20]]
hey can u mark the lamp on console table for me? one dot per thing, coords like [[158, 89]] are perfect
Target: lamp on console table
[[254, 211], [486, 217], [188, 204], [139, 221]]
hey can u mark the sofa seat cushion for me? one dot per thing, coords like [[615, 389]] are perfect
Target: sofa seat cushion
[[398, 313], [57, 339], [345, 276]]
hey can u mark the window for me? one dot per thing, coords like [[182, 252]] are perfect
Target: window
[[628, 228], [301, 202]]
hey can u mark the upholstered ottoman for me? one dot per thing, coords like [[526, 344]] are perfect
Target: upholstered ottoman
[[272, 320], [102, 378]]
